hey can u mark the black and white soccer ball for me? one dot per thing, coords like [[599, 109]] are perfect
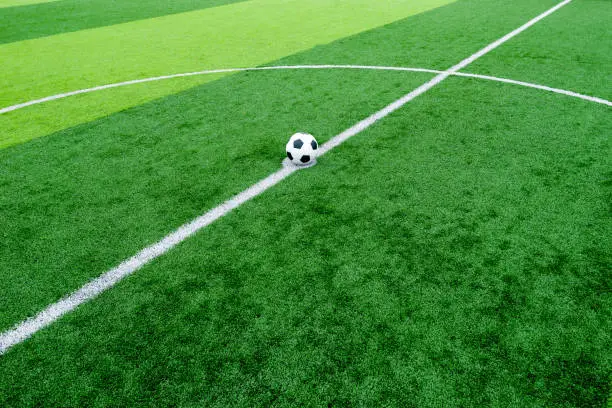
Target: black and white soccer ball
[[302, 149]]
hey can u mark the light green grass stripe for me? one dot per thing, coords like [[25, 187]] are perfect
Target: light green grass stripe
[[31, 123], [244, 34], [13, 3]]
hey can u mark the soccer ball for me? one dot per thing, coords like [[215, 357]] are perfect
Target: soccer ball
[[302, 149]]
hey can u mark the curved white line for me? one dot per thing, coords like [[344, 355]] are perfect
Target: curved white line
[[205, 72], [290, 67], [536, 86]]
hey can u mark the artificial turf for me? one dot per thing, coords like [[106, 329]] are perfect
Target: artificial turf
[[455, 254], [68, 193]]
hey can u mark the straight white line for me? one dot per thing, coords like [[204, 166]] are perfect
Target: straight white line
[[53, 312], [92, 289], [506, 37]]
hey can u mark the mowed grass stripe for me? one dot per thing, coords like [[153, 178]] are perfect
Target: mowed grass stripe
[[574, 37], [87, 198], [46, 119], [445, 258], [44, 19], [238, 35]]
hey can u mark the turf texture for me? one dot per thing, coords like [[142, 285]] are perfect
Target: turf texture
[[131, 178], [455, 254]]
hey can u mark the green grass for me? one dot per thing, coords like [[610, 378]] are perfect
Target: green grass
[[234, 35], [455, 254], [43, 19]]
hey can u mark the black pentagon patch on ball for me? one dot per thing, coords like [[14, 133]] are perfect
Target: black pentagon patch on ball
[[305, 158], [313, 143], [298, 143], [289, 156]]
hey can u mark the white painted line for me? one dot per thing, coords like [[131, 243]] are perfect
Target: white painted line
[[506, 37], [53, 312]]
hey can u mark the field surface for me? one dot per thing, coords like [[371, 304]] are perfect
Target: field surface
[[455, 253]]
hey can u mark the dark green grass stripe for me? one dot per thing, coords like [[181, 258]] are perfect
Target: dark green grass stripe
[[41, 20], [437, 39], [453, 255]]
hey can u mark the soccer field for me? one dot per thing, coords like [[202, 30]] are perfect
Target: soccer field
[[452, 247]]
